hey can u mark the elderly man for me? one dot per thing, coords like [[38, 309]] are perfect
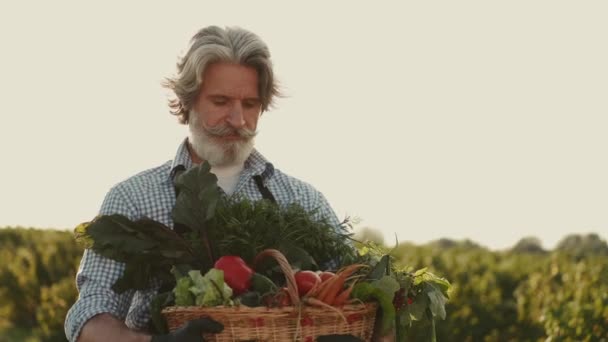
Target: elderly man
[[223, 84]]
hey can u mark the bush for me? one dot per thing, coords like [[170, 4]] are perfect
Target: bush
[[524, 294], [37, 282]]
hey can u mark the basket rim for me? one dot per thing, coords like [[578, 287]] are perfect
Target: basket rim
[[262, 309]]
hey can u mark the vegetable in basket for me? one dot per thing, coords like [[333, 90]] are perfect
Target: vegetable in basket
[[306, 280], [236, 273], [207, 290]]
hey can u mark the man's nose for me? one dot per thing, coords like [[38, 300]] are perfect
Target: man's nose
[[236, 118]]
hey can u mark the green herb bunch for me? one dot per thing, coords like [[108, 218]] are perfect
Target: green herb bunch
[[244, 227]]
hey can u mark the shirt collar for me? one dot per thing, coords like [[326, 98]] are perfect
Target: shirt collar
[[181, 161], [256, 163]]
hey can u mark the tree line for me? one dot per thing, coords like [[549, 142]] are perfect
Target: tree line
[[525, 293]]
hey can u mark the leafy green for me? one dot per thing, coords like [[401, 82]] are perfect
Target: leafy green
[[424, 276], [183, 296], [245, 228], [148, 248], [438, 301], [365, 291], [198, 196], [210, 289], [418, 307], [387, 284], [158, 302], [415, 296], [382, 268], [207, 290], [195, 205]]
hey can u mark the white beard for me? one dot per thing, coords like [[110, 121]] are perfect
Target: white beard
[[214, 152]]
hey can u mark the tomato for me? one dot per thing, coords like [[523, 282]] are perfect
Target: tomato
[[306, 280], [326, 275]]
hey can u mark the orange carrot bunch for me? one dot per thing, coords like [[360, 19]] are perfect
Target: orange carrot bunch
[[332, 291]]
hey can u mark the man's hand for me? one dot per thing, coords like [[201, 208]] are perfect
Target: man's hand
[[191, 332]]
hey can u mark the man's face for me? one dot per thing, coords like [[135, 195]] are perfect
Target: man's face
[[224, 118]]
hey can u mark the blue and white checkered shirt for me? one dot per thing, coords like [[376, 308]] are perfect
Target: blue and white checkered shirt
[[151, 194]]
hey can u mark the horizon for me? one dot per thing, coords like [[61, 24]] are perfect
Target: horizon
[[469, 120]]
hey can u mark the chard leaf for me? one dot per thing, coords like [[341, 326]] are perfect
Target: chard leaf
[[298, 257], [147, 248], [172, 254], [437, 299], [137, 275], [403, 322], [195, 205], [198, 197], [424, 276], [419, 273], [387, 284], [160, 300], [381, 268], [405, 282], [418, 307]]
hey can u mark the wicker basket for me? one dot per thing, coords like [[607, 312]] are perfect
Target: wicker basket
[[291, 323]]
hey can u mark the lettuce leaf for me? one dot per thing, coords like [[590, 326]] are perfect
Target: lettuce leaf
[[210, 289], [183, 296]]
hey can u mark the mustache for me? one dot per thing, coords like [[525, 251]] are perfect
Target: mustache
[[223, 130]]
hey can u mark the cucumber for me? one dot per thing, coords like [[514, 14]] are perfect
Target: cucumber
[[262, 284]]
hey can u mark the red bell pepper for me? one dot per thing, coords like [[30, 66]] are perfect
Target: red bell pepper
[[236, 273]]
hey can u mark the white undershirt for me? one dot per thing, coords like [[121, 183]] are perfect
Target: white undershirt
[[227, 176]]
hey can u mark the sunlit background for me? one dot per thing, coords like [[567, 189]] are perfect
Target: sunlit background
[[476, 119]]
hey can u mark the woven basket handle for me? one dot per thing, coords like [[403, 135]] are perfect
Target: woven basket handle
[[292, 287]]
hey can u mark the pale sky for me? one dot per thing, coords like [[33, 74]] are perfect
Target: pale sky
[[484, 120]]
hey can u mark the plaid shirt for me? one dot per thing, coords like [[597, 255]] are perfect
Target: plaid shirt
[[151, 194]]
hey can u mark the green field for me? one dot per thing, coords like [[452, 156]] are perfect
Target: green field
[[524, 294]]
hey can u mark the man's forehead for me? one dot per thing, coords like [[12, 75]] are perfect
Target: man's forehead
[[231, 94], [227, 79]]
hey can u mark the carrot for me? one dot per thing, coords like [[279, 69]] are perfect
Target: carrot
[[343, 296], [324, 288], [316, 288], [338, 283], [318, 303]]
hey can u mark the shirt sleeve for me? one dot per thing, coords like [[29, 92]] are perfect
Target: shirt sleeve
[[322, 210], [96, 275]]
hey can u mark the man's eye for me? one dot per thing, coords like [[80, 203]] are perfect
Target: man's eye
[[250, 104], [219, 102]]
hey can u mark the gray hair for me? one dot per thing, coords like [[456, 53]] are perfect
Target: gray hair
[[214, 44]]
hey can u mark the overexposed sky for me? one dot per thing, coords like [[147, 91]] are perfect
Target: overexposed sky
[[462, 119]]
